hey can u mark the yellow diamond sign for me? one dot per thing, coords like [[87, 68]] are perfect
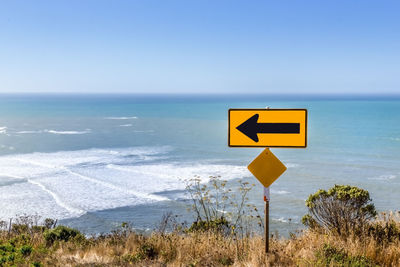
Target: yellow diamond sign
[[266, 167]]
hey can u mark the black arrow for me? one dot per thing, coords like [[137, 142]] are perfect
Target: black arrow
[[251, 128]]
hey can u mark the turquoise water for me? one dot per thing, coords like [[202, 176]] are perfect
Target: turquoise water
[[95, 161]]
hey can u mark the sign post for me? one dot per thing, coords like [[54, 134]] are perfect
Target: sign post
[[266, 218], [267, 128]]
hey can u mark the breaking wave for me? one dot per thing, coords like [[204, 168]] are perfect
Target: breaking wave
[[68, 184]]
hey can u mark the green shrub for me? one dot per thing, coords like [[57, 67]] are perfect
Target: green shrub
[[216, 225], [26, 250], [49, 223], [309, 221], [11, 257], [62, 233], [342, 209], [15, 251], [6, 248], [38, 228], [226, 261], [385, 232], [20, 228], [7, 254], [332, 256], [146, 251]]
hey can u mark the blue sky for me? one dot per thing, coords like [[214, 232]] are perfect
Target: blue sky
[[200, 46]]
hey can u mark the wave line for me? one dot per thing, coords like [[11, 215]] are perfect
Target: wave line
[[56, 198], [93, 180]]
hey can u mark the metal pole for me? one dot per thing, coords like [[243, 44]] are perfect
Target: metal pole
[[267, 226], [266, 218]]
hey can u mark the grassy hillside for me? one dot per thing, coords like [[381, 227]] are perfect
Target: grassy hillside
[[61, 246], [343, 229]]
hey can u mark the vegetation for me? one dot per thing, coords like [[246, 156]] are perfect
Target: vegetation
[[343, 209], [62, 233], [218, 208], [329, 255], [207, 242]]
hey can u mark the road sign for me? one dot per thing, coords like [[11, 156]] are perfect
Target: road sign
[[266, 167], [267, 128]]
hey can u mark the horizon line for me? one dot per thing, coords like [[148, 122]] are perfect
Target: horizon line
[[215, 96], [205, 93]]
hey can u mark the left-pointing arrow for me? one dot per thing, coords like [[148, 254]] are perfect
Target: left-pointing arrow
[[251, 128]]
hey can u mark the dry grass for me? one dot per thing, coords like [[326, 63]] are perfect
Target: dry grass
[[210, 249], [210, 241], [126, 248]]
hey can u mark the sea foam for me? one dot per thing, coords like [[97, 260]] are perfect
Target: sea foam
[[121, 118], [29, 132], [69, 183], [67, 132], [3, 129], [54, 132], [384, 177]]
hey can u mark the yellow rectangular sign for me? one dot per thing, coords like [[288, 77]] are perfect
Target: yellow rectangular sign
[[267, 128], [266, 167]]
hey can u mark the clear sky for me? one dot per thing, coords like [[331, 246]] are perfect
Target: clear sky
[[216, 46]]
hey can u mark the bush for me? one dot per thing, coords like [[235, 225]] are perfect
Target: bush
[[226, 261], [146, 251], [26, 250], [62, 233], [219, 208], [49, 223], [332, 256], [12, 254], [341, 209], [217, 225], [385, 232], [20, 228]]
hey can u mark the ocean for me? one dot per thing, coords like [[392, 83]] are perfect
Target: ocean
[[94, 161]]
